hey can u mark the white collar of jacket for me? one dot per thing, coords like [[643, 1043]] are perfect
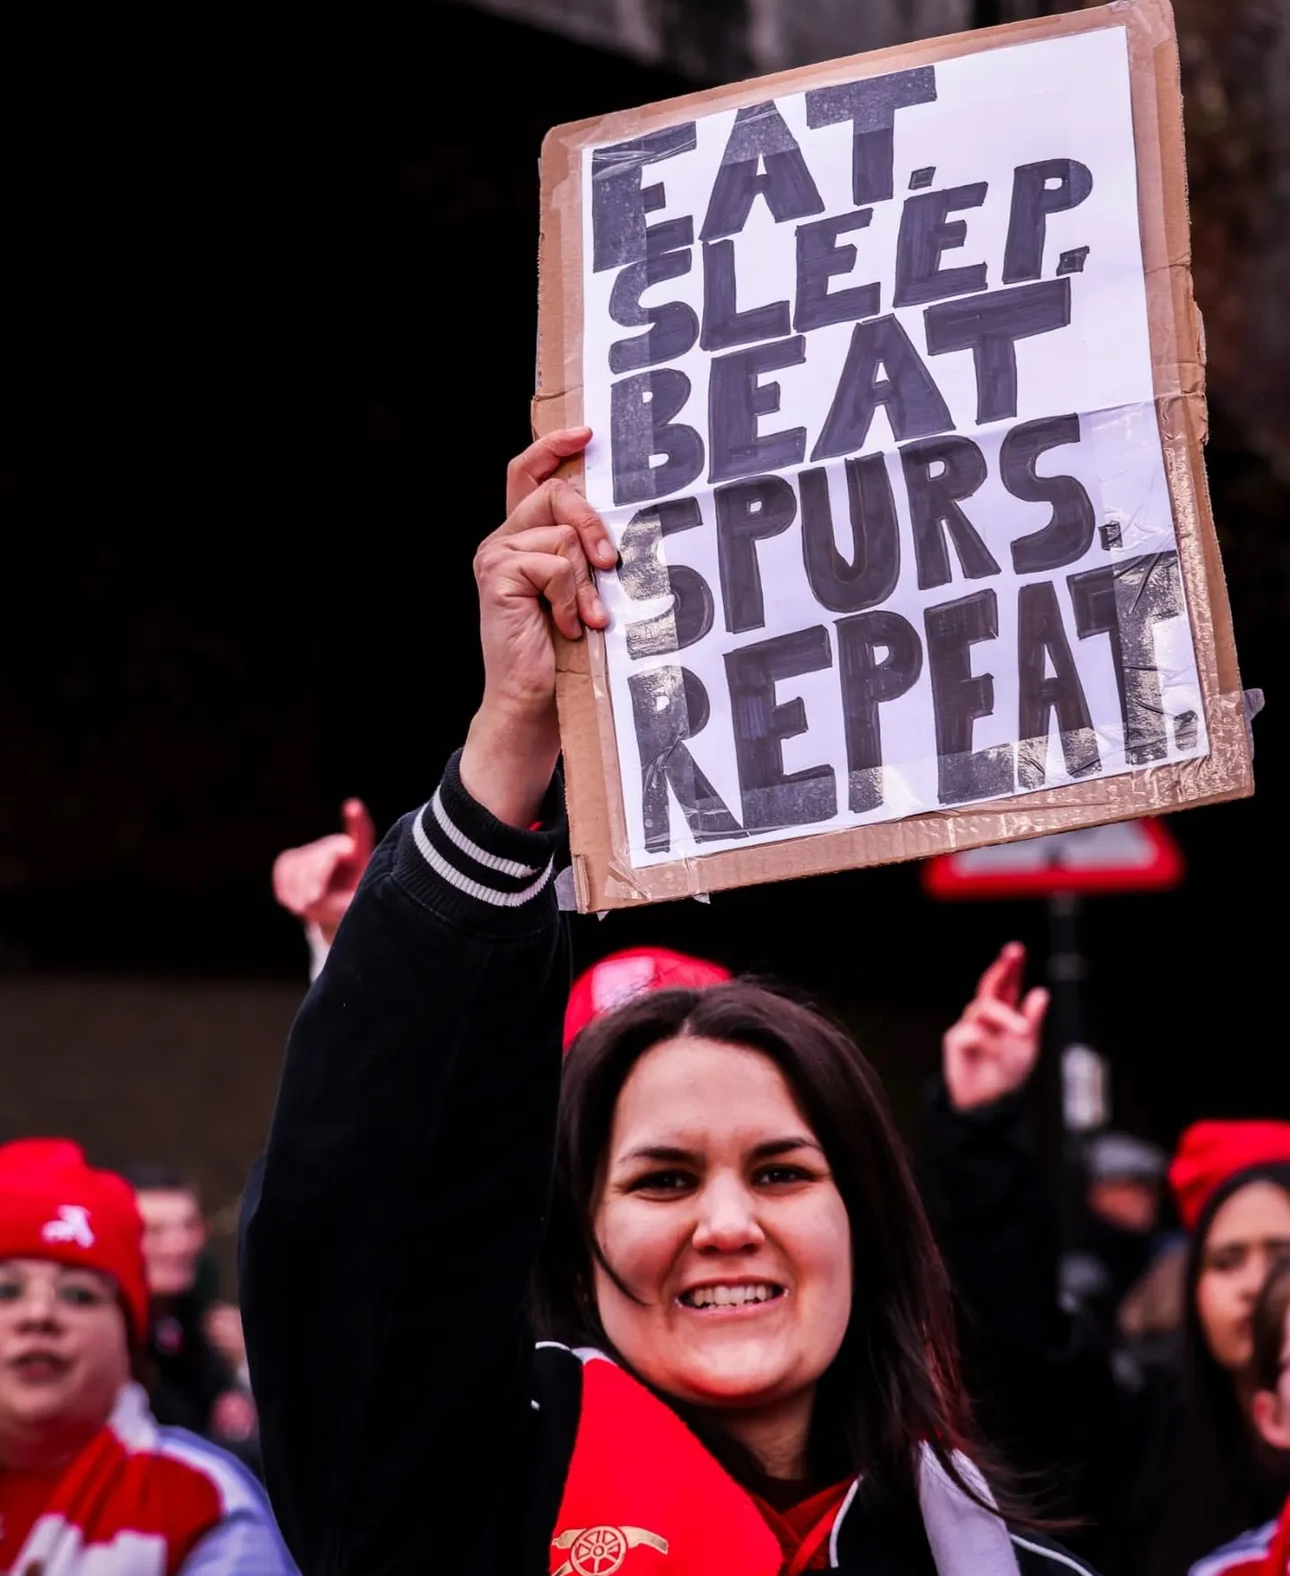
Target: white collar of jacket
[[965, 1538]]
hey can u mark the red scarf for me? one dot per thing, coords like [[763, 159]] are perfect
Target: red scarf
[[123, 1505], [803, 1529], [665, 1506]]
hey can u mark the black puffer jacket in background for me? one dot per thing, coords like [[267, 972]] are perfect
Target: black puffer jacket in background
[[1042, 1383]]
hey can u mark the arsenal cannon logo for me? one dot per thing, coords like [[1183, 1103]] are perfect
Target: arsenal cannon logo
[[600, 1551]]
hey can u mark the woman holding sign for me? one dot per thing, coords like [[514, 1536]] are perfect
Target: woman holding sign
[[756, 1370]]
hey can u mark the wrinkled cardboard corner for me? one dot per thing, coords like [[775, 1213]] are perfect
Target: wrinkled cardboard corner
[[603, 877]]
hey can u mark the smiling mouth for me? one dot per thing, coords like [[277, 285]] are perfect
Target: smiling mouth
[[40, 1367], [704, 1298]]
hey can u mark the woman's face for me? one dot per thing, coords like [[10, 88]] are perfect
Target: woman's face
[[718, 1211], [1248, 1233], [64, 1355]]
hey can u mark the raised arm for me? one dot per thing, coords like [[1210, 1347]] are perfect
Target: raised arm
[[390, 1229], [987, 1192], [317, 882], [1044, 1393]]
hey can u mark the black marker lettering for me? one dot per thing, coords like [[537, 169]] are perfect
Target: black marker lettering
[[1069, 533], [724, 325], [641, 408], [619, 205], [735, 401], [1126, 601], [645, 577], [748, 513], [939, 474], [914, 405], [670, 706], [1041, 641], [866, 683], [846, 585], [871, 107], [772, 797], [819, 259], [673, 327], [1032, 201], [759, 135], [926, 232], [989, 326], [960, 696]]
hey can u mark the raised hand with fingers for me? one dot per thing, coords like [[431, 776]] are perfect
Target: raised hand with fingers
[[534, 575], [316, 883], [992, 1049]]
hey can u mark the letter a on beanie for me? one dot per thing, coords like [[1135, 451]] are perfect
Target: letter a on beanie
[[54, 1206]]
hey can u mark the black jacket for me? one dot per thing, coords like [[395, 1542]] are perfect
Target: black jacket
[[389, 1232], [1042, 1380]]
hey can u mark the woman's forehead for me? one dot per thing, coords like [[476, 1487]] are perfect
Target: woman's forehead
[[1258, 1210], [690, 1090]]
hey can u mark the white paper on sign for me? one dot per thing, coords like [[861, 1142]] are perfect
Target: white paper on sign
[[869, 374]]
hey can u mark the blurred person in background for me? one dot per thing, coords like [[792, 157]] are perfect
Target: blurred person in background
[[192, 1384], [1232, 1184], [1167, 1467], [1265, 1550], [1123, 1281], [1117, 1233], [90, 1483]]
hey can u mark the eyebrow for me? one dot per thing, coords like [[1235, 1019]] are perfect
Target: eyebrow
[[1274, 1240], [669, 1153]]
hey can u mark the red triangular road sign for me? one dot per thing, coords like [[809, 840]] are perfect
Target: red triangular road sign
[[1126, 856]]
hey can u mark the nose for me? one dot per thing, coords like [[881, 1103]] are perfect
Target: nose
[[727, 1220], [38, 1308]]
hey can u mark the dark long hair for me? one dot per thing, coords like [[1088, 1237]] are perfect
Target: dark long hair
[[1221, 1482], [895, 1382]]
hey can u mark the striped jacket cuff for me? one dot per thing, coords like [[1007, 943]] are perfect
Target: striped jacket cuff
[[460, 860]]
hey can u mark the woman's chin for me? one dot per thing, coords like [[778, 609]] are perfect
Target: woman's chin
[[745, 1380]]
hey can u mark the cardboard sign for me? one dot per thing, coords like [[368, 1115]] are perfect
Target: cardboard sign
[[894, 375]]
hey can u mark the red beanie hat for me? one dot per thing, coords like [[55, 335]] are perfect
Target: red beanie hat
[[623, 975], [53, 1206], [1211, 1152]]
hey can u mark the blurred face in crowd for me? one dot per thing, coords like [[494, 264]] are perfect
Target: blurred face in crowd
[[174, 1235], [64, 1357], [719, 1214], [1126, 1202], [1249, 1233]]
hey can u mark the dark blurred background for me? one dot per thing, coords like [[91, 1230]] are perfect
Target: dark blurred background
[[259, 398]]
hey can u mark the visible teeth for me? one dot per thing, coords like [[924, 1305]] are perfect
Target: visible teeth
[[727, 1296]]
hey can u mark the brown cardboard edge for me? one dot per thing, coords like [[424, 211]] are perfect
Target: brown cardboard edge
[[603, 877], [592, 790]]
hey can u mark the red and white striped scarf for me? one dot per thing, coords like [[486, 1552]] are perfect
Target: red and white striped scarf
[[129, 1504]]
